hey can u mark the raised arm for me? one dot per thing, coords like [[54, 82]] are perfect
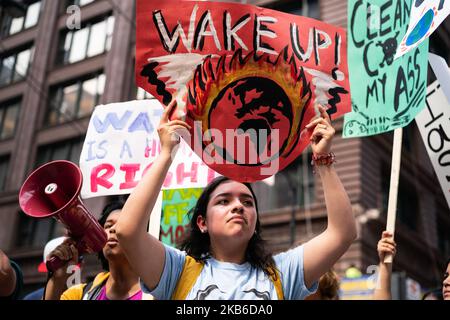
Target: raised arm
[[385, 246], [145, 253], [8, 278], [322, 252]]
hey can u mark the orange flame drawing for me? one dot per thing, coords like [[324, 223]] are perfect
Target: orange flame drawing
[[213, 76]]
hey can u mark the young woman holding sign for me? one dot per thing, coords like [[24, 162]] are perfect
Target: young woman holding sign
[[224, 255]]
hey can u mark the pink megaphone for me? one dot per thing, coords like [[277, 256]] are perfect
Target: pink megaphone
[[53, 191]]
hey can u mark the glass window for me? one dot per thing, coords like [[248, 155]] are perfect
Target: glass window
[[88, 97], [25, 230], [16, 25], [408, 205], [32, 16], [22, 63], [91, 92], [408, 209], [97, 39], [9, 122], [64, 150], [4, 166], [14, 68], [109, 32], [79, 42], [6, 72], [79, 2], [76, 100], [93, 39], [69, 102], [13, 24], [309, 8], [297, 178], [35, 233], [142, 94], [9, 114], [85, 2], [443, 237]]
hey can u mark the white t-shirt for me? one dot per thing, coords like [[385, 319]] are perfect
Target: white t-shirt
[[230, 281]]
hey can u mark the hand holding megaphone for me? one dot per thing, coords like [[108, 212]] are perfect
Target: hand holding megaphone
[[63, 255], [53, 190]]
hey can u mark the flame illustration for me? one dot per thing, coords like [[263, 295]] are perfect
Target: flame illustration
[[212, 76]]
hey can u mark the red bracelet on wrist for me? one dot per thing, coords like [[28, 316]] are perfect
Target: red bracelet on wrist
[[323, 160]]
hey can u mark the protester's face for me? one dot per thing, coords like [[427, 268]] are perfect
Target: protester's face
[[231, 211], [446, 284], [112, 246]]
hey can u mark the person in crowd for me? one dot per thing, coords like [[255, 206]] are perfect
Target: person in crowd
[[224, 255], [328, 287], [42, 268], [11, 278], [117, 282], [433, 294], [446, 281], [386, 246]]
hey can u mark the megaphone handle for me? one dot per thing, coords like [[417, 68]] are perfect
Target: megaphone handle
[[55, 263]]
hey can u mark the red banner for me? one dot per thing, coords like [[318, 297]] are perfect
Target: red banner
[[246, 78]]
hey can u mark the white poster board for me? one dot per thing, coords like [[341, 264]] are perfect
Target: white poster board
[[434, 126], [425, 18], [442, 72], [122, 143]]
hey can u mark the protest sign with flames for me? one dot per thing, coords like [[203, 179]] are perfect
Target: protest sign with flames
[[245, 78]]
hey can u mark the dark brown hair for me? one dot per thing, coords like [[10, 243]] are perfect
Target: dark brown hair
[[197, 244]]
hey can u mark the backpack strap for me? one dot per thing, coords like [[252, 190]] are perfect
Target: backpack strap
[[191, 271], [275, 277], [86, 288], [92, 290]]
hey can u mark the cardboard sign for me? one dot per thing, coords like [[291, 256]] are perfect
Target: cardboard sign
[[434, 126], [425, 18], [386, 93], [361, 288], [122, 143], [175, 207], [245, 78], [442, 72]]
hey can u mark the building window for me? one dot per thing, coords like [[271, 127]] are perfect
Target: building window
[[443, 238], [4, 166], [294, 186], [408, 137], [79, 2], [65, 150], [35, 233], [307, 8], [142, 94], [14, 67], [407, 200], [9, 114], [12, 24], [74, 100], [93, 39]]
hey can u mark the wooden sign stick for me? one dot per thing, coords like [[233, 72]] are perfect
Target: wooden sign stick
[[393, 189]]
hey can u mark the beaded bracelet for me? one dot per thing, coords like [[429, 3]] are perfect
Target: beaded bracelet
[[322, 160]]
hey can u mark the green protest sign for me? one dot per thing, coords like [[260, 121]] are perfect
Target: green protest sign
[[176, 204], [386, 93]]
